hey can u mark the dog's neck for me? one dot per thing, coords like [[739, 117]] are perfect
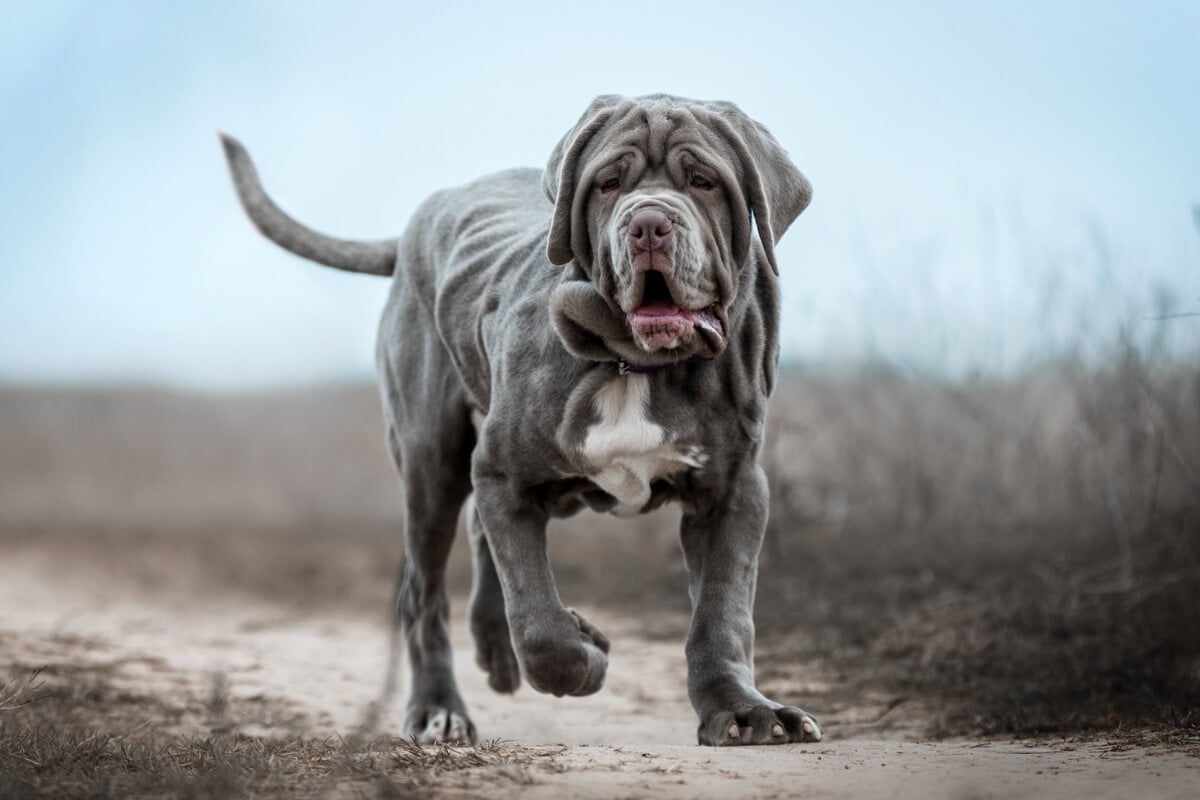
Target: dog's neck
[[625, 368]]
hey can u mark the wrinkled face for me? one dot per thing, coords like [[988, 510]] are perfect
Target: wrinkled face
[[661, 230], [657, 200]]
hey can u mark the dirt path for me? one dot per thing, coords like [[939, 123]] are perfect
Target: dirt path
[[220, 664]]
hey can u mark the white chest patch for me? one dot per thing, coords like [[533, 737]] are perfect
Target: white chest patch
[[626, 450]]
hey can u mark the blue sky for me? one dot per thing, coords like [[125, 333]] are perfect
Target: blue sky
[[992, 183]]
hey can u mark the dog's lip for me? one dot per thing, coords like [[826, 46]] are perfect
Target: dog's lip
[[657, 320], [661, 312]]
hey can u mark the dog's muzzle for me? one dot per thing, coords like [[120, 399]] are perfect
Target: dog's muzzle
[[658, 322], [659, 258]]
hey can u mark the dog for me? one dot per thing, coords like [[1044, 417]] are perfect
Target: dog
[[602, 333]]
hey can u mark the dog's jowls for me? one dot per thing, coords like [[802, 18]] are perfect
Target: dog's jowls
[[602, 333]]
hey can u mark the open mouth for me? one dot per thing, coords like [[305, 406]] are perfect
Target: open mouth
[[658, 321]]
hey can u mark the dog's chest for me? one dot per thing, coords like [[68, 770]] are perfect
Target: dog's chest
[[625, 450]]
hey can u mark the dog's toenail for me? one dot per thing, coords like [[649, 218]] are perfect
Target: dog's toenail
[[808, 727], [733, 732], [777, 729]]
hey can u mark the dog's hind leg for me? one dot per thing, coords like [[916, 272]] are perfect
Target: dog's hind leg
[[436, 482], [489, 625]]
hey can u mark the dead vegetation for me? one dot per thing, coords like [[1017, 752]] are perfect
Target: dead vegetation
[[1021, 555], [70, 733], [49, 761], [1017, 556]]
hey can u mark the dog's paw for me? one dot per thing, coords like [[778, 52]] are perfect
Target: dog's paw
[[438, 725], [494, 650], [572, 660], [596, 645], [494, 655], [589, 633], [758, 724]]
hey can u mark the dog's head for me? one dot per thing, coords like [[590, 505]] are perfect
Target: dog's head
[[658, 200]]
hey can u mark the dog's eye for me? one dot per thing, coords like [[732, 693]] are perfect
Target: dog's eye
[[701, 182], [610, 185]]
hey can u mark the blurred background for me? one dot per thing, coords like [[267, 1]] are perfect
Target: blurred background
[[984, 454]]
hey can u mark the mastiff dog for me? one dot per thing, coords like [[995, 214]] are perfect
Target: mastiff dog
[[602, 333]]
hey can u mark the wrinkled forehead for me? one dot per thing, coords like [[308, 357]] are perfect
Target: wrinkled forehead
[[653, 132]]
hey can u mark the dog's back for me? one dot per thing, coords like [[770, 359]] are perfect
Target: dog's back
[[463, 250]]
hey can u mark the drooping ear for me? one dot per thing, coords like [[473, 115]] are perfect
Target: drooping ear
[[561, 177], [776, 190]]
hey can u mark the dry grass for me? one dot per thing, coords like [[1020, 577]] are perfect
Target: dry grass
[[47, 750], [67, 763], [1021, 555], [167, 461]]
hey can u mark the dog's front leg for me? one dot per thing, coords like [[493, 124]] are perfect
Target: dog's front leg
[[722, 534], [559, 652]]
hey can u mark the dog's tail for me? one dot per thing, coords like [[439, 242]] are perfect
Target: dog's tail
[[376, 258]]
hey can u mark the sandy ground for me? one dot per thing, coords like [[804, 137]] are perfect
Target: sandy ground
[[221, 663]]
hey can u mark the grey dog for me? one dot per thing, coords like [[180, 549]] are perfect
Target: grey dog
[[601, 333]]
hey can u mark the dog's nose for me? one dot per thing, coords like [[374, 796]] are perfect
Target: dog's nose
[[650, 229]]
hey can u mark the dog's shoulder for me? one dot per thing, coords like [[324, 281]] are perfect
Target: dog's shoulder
[[474, 259]]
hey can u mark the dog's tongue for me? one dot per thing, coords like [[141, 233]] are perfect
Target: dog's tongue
[[657, 309], [661, 321], [661, 311]]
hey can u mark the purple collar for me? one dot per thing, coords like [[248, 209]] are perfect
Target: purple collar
[[625, 368]]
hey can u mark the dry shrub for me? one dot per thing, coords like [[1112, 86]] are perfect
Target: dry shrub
[[1022, 554]]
